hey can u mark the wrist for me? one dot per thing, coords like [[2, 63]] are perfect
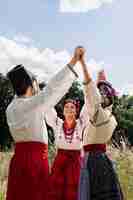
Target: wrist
[[73, 61], [82, 63], [86, 82], [70, 66]]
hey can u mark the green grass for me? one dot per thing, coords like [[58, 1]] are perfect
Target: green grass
[[4, 163], [124, 169], [1, 196]]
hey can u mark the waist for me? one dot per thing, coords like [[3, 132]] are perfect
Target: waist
[[31, 147], [95, 148], [67, 151], [28, 135]]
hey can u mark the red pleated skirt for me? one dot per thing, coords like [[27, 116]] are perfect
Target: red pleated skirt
[[28, 172], [64, 178]]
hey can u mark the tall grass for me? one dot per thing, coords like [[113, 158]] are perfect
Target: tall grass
[[124, 167], [122, 157], [4, 163]]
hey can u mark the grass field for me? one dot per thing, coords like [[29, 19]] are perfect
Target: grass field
[[124, 166]]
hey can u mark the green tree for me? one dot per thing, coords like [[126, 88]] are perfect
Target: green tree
[[123, 111], [6, 95]]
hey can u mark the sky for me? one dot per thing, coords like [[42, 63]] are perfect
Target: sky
[[42, 34]]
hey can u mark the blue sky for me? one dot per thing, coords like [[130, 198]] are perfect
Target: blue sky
[[106, 32]]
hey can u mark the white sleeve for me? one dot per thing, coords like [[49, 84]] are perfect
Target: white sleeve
[[92, 98], [84, 116], [54, 91], [51, 118]]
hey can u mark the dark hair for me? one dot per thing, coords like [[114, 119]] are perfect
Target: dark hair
[[20, 79], [42, 85], [107, 92]]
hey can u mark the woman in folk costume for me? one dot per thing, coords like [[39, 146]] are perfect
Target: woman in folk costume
[[64, 177], [28, 173], [98, 180]]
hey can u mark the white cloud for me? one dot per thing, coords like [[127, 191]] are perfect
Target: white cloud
[[95, 66], [22, 39], [81, 5], [44, 63]]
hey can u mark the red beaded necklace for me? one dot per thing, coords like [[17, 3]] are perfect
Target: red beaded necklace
[[69, 131]]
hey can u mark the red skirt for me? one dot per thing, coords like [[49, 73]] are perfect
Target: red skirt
[[64, 178], [28, 172]]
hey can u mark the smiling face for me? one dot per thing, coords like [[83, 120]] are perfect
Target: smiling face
[[70, 111]]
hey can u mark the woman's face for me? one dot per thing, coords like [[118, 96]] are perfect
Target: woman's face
[[104, 95], [70, 110], [102, 90]]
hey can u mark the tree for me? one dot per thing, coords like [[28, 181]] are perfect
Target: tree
[[6, 95], [123, 111]]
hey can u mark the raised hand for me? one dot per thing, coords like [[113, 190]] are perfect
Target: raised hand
[[78, 53], [82, 57], [86, 73]]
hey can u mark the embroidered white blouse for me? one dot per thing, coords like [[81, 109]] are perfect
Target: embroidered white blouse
[[25, 116], [57, 124], [100, 131]]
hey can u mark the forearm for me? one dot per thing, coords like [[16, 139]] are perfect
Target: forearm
[[92, 96], [87, 76], [53, 92], [73, 61], [51, 117]]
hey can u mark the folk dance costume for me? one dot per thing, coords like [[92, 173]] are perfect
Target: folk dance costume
[[98, 180], [64, 178], [29, 170]]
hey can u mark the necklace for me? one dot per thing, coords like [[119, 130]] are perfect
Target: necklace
[[69, 133]]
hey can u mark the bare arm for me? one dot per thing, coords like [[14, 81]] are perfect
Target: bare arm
[[55, 89], [92, 95]]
